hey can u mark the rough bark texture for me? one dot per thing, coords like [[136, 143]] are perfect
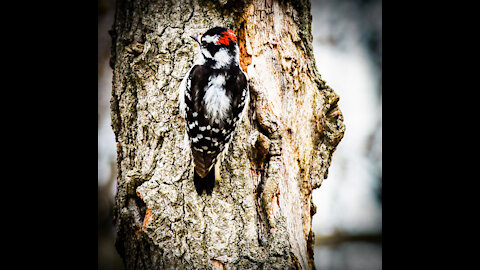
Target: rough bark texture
[[260, 213]]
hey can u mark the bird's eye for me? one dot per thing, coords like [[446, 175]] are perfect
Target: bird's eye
[[204, 43]]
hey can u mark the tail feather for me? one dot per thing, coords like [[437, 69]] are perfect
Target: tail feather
[[207, 183]]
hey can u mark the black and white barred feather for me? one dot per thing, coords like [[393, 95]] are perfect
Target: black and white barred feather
[[213, 98]]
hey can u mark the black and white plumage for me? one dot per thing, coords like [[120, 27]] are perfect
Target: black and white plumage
[[213, 98]]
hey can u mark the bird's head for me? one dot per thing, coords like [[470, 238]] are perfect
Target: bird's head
[[218, 48]]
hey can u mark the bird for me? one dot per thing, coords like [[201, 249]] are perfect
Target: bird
[[213, 97]]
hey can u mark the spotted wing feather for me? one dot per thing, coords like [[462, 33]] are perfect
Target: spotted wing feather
[[209, 137]]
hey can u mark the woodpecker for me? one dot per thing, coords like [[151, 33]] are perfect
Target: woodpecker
[[213, 98]]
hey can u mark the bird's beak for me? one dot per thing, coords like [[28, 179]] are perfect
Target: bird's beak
[[195, 38]]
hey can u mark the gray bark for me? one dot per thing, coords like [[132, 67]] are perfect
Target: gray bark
[[260, 213]]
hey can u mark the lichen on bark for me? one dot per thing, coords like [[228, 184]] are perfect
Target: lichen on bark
[[259, 215]]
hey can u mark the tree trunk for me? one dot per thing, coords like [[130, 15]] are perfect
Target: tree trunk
[[259, 215]]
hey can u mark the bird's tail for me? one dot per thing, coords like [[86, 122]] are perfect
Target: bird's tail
[[207, 183]]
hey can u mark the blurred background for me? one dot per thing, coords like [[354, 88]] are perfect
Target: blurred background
[[347, 43]]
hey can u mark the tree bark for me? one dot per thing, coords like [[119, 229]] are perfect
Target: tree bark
[[259, 215]]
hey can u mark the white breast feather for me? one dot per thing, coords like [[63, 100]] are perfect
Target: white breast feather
[[216, 101]]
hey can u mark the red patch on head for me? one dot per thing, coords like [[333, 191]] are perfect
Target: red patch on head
[[226, 37]]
